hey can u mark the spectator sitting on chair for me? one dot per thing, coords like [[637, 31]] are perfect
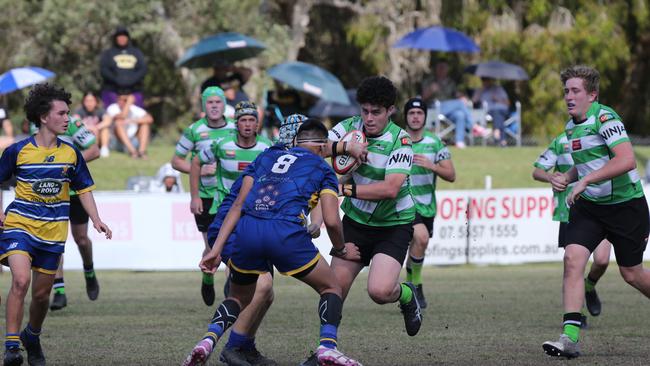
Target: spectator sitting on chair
[[96, 120], [498, 106], [132, 125], [453, 104], [123, 69], [7, 137]]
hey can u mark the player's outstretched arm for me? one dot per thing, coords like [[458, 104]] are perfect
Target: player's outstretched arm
[[210, 262], [196, 204], [88, 203]]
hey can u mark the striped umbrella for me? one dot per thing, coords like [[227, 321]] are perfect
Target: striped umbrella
[[22, 77]]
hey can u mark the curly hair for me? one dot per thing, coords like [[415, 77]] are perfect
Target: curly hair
[[590, 76], [377, 90], [39, 101]]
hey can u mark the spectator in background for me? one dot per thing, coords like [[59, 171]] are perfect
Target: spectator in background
[[280, 102], [498, 106], [123, 69], [7, 137], [132, 125], [227, 76], [96, 120], [168, 180], [453, 104]]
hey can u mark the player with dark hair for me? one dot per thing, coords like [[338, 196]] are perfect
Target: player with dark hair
[[607, 200], [269, 222], [379, 210], [36, 222]]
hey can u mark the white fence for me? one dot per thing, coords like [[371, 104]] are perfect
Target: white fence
[[156, 231]]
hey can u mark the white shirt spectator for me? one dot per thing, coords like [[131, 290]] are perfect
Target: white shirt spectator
[[135, 112]]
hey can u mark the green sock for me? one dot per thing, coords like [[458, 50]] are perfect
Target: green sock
[[590, 284], [406, 295], [208, 279], [416, 269], [409, 273], [572, 331]]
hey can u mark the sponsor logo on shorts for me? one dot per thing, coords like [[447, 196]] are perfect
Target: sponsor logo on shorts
[[47, 187], [14, 245]]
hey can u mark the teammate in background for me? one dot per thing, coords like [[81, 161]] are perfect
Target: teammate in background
[[557, 158], [431, 159], [80, 137], [36, 222], [379, 210], [199, 136], [277, 192], [231, 154], [607, 200]]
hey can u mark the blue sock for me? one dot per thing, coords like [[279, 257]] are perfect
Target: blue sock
[[236, 340], [12, 340], [32, 334], [250, 343], [328, 335], [214, 333]]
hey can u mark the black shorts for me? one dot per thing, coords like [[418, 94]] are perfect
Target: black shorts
[[244, 279], [204, 220], [427, 221], [561, 238], [78, 214], [624, 224], [390, 240]]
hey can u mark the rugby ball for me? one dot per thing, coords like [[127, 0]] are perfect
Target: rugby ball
[[344, 164]]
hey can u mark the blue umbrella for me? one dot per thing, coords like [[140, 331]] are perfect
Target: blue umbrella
[[324, 108], [310, 79], [228, 46], [22, 77], [438, 39], [497, 70]]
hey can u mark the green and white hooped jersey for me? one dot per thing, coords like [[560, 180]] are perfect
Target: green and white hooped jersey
[[198, 137], [558, 157], [389, 153], [231, 160], [590, 144], [423, 181]]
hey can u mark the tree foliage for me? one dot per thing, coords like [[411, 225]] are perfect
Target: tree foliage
[[352, 39]]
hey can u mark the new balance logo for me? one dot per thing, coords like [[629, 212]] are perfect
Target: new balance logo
[[49, 159]]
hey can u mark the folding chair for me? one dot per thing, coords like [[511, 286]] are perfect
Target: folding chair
[[443, 127]]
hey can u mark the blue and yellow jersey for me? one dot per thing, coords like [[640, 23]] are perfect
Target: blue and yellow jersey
[[44, 178], [288, 184]]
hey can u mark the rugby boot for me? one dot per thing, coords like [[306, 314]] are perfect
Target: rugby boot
[[593, 302], [564, 347], [412, 313], [59, 301], [312, 360], [207, 293], [256, 358], [35, 356], [200, 354], [234, 356], [92, 287], [13, 357], [333, 357], [420, 295]]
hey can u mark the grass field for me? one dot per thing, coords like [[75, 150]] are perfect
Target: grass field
[[509, 167], [498, 315]]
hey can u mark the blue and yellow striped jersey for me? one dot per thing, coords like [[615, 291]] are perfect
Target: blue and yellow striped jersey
[[44, 177]]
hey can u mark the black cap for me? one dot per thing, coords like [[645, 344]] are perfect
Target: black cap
[[415, 103], [121, 30]]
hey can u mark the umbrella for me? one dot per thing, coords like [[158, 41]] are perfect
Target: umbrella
[[22, 77], [310, 79], [324, 108], [438, 39], [228, 46], [498, 70]]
